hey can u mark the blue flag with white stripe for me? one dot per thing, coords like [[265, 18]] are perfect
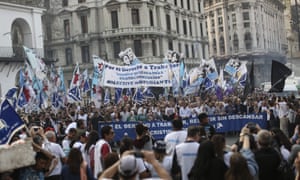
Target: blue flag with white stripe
[[10, 122], [74, 94], [10, 93]]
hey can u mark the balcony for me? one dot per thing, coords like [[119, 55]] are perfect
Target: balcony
[[139, 30], [17, 52], [33, 3]]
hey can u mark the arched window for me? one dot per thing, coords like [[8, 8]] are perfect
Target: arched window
[[235, 43], [222, 45], [248, 41]]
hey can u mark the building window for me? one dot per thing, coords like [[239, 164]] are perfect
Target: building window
[[114, 19], [84, 24], [175, 2], [187, 50], [117, 49], [67, 28], [81, 1], [246, 16], [184, 27], [203, 52], [85, 54], [177, 25], [138, 48], [65, 3], [220, 20], [182, 5], [201, 29], [151, 18], [168, 20], [245, 5], [222, 45], [188, 4], [179, 47], [199, 6], [214, 46], [246, 25], [135, 15], [212, 22], [221, 29], [69, 57], [248, 41], [191, 29], [235, 43], [193, 51], [219, 11], [153, 47], [170, 45]]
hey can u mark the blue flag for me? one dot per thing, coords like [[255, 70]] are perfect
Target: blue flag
[[138, 96], [10, 122], [106, 97], [55, 100], [10, 93], [147, 93], [74, 94], [118, 95], [21, 102]]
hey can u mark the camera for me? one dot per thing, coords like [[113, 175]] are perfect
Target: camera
[[138, 154]]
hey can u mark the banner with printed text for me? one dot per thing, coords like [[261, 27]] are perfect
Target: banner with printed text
[[141, 75], [158, 129]]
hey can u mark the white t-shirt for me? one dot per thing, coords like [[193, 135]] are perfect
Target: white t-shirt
[[186, 154], [166, 164], [58, 152], [174, 138]]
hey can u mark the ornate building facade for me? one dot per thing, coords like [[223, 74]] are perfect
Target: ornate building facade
[[21, 25], [251, 30], [75, 30]]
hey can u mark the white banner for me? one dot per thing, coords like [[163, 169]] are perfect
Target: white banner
[[147, 75]]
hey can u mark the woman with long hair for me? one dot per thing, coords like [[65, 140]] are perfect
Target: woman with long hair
[[238, 168], [207, 165], [76, 168], [88, 149]]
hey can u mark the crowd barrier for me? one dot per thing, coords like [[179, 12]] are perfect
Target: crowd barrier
[[158, 129]]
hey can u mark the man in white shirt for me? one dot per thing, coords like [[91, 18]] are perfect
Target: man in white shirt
[[175, 137], [102, 148], [186, 153], [56, 150], [283, 112]]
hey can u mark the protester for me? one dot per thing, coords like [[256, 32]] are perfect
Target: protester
[[267, 157], [143, 139], [204, 122], [37, 170], [127, 167], [165, 161], [102, 148], [207, 165], [76, 168], [58, 152], [175, 137], [185, 154]]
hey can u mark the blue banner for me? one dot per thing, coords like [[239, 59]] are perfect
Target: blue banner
[[158, 129], [10, 122]]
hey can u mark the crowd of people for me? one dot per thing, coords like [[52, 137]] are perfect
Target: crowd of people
[[69, 145]]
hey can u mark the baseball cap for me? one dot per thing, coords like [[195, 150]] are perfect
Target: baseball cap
[[160, 147], [128, 166]]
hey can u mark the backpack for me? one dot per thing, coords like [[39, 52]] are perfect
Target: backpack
[[285, 169]]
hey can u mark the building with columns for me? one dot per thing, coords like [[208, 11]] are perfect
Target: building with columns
[[250, 30], [21, 24], [75, 30]]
